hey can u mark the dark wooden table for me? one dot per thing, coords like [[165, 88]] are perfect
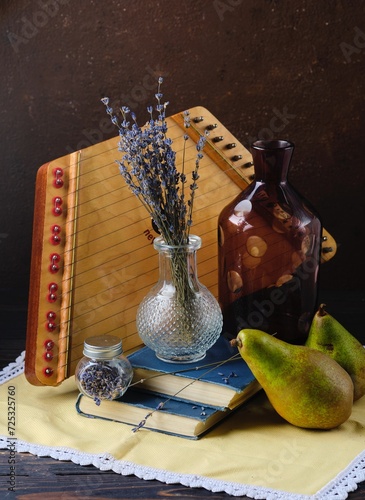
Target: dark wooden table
[[45, 478]]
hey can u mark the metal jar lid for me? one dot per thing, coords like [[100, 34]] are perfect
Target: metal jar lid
[[102, 347]]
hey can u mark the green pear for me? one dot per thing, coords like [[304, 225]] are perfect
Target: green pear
[[329, 336], [306, 387]]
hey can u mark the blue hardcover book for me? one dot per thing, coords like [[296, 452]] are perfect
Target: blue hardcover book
[[139, 409], [222, 379]]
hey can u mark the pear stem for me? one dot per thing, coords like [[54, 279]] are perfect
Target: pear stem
[[321, 312]]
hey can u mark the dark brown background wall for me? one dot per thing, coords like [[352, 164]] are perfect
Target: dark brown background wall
[[247, 61]]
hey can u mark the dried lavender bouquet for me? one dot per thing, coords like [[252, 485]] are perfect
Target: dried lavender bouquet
[[148, 166]]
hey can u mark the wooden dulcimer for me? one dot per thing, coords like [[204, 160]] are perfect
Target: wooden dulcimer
[[92, 255]]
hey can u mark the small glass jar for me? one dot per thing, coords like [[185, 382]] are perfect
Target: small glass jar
[[104, 372]]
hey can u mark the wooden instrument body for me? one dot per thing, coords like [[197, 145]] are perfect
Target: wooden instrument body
[[92, 255]]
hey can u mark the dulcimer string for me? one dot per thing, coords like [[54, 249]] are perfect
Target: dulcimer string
[[76, 249]]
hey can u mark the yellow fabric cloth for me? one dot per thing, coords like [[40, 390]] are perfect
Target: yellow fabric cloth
[[254, 446]]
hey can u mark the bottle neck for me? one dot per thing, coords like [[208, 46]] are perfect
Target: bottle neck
[[178, 265], [170, 262], [271, 160]]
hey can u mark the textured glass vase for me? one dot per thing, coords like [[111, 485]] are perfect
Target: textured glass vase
[[269, 252], [179, 318]]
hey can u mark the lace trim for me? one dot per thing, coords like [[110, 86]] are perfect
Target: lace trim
[[337, 489], [346, 481], [108, 462], [13, 369]]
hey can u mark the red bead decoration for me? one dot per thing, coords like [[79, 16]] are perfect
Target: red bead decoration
[[48, 355], [58, 174], [50, 326], [48, 371], [51, 315], [52, 296], [55, 259], [57, 209], [49, 344], [55, 239]]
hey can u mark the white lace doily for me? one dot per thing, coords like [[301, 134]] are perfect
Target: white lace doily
[[13, 370], [337, 489]]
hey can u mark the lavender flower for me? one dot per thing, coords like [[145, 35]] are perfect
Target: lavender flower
[[148, 166], [101, 381], [142, 423]]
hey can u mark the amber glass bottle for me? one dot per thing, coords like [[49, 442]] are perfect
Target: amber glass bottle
[[269, 252]]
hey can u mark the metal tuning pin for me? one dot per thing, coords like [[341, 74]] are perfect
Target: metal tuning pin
[[236, 157], [231, 145], [55, 259], [57, 208], [212, 126], [52, 289], [198, 119], [49, 344], [248, 164], [219, 138], [58, 174], [55, 238], [325, 249], [50, 324], [48, 371]]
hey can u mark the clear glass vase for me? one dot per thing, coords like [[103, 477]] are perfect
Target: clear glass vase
[[179, 318]]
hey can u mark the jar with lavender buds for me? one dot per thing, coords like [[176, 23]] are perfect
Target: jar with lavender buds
[[104, 372]]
